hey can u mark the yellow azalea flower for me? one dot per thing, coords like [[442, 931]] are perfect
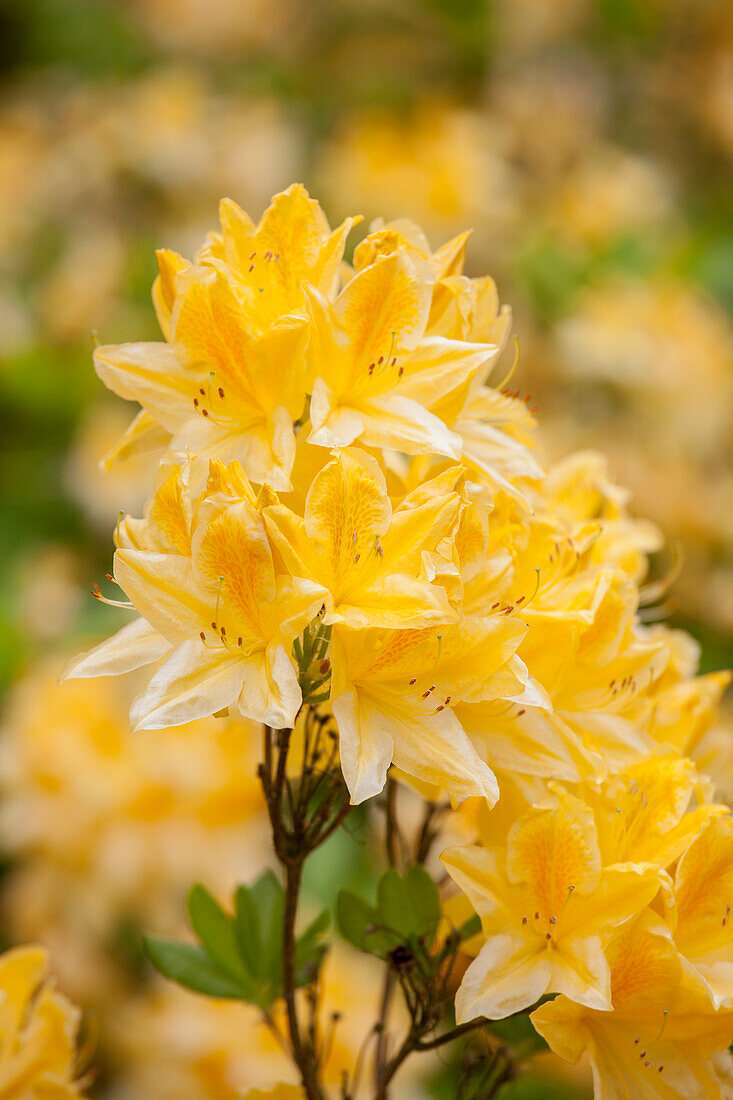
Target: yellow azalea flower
[[229, 381], [495, 428], [219, 390], [368, 556], [650, 811], [393, 692], [228, 618], [701, 909], [231, 619], [548, 907], [38, 1029], [375, 371], [597, 666], [658, 1040], [579, 489]]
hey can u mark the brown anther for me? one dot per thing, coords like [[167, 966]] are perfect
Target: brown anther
[[643, 1054], [380, 360], [548, 935], [111, 578], [356, 558], [324, 666], [637, 1040], [495, 605], [521, 600], [612, 684], [239, 641], [400, 372], [371, 368], [647, 1065], [508, 609], [196, 402], [553, 919], [251, 267], [222, 630], [202, 391], [536, 916], [441, 707], [413, 680], [220, 392], [204, 412], [202, 636], [660, 1069], [524, 920], [252, 255], [447, 699], [213, 626], [521, 712], [394, 360]]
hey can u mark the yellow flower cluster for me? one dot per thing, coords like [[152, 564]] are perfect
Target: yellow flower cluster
[[349, 515]]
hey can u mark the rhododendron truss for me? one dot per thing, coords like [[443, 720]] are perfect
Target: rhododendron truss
[[354, 542]]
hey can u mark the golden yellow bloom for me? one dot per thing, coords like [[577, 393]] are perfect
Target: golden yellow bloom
[[38, 1027], [229, 381], [658, 1040], [548, 907], [368, 555], [701, 910], [393, 694], [375, 371]]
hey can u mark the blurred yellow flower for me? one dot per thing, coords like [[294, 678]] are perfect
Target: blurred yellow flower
[[38, 1028]]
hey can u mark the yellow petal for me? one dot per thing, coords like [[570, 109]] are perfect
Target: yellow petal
[[163, 589], [507, 976], [170, 264], [135, 645], [384, 309], [194, 682], [152, 375]]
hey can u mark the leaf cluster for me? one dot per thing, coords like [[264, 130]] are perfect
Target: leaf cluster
[[239, 956]]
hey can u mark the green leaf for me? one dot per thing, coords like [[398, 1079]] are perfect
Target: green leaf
[[359, 924], [191, 967], [519, 1033], [248, 931], [472, 927], [269, 899], [424, 901], [409, 904], [216, 932]]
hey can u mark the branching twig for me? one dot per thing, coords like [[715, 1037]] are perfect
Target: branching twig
[[297, 830]]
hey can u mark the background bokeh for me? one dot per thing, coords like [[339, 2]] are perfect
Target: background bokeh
[[590, 145]]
